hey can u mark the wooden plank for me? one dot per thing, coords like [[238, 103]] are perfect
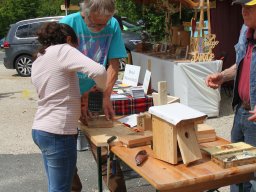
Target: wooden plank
[[144, 121], [162, 92], [205, 133], [99, 136], [100, 122], [187, 142], [170, 99], [202, 127], [231, 147], [136, 138]]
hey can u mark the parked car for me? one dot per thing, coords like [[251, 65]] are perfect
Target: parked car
[[21, 43]]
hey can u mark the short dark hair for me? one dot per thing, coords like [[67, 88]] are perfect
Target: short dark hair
[[53, 33]]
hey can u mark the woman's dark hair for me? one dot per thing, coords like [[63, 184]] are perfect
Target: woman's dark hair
[[53, 33]]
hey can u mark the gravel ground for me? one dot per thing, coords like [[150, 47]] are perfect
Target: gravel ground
[[17, 108]]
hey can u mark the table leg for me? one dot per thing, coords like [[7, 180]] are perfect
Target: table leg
[[99, 162], [241, 187]]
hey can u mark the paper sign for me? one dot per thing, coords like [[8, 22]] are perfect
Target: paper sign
[[130, 120], [131, 75], [146, 81]]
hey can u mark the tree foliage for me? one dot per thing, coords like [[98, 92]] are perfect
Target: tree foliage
[[12, 11], [154, 19]]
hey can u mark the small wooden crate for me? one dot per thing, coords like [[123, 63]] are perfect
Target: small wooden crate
[[231, 159], [233, 154]]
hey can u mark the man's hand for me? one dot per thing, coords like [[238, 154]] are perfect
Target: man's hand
[[84, 108], [85, 114], [108, 108], [253, 117], [214, 80], [112, 72]]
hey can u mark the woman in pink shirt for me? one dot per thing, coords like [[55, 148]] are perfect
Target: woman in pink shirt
[[55, 123]]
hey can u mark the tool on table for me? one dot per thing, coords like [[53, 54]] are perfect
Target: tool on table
[[141, 157], [111, 139]]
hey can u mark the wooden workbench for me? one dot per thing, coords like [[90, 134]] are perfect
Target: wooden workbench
[[198, 176]]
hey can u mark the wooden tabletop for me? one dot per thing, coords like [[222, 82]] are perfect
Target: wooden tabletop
[[99, 136], [198, 176]]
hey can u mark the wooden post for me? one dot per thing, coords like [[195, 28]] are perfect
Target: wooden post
[[162, 92], [209, 17], [201, 20], [149, 86]]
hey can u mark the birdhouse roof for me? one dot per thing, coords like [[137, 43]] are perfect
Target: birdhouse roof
[[176, 112]]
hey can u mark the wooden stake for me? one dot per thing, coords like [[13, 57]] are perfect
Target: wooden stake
[[162, 92], [209, 17]]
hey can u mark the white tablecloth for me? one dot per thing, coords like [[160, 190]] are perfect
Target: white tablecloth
[[184, 80]]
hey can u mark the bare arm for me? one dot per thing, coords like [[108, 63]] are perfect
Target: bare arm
[[216, 79], [229, 73], [112, 74]]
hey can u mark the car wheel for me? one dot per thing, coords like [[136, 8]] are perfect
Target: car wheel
[[23, 65]]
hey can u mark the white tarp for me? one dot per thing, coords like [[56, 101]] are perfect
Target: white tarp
[[184, 80]]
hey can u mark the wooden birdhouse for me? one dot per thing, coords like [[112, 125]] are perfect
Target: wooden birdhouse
[[174, 133]]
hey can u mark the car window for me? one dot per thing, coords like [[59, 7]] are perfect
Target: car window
[[28, 30], [23, 31], [34, 27]]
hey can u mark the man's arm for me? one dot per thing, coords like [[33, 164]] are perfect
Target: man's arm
[[112, 74], [215, 80], [229, 73]]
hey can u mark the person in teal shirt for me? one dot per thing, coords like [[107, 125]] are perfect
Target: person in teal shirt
[[100, 39]]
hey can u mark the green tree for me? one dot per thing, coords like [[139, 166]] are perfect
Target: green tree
[[14, 10], [153, 18], [50, 8]]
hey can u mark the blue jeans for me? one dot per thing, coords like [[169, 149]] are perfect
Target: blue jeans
[[243, 130], [59, 156]]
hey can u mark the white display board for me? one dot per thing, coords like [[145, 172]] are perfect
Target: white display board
[[184, 80], [131, 75]]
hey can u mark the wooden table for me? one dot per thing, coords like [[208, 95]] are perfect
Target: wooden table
[[99, 137], [198, 176]]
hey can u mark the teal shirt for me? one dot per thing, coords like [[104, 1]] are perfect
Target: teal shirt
[[102, 46]]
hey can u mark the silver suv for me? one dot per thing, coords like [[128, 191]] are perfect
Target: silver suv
[[21, 43]]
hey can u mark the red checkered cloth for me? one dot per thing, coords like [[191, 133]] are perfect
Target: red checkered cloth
[[132, 105]]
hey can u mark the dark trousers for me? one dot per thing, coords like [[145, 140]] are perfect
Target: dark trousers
[[116, 182]]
